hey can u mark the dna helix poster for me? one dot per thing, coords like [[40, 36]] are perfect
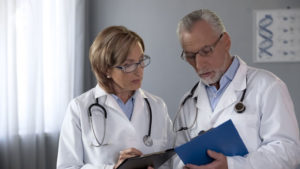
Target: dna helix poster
[[277, 35]]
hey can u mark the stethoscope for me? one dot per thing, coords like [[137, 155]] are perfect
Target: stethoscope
[[146, 139], [239, 107]]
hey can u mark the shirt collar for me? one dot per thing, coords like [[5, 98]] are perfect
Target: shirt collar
[[229, 74], [132, 98]]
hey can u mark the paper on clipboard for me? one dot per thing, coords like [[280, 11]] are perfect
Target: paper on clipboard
[[154, 159]]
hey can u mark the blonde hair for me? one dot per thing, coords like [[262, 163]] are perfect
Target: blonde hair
[[111, 48]]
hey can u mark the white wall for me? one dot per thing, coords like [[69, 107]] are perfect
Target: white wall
[[168, 76]]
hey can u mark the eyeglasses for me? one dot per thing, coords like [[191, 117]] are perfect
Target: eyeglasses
[[145, 61], [205, 51]]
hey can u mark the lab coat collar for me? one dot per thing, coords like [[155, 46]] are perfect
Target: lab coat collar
[[197, 90], [239, 81], [99, 92], [233, 91], [139, 105], [202, 104], [108, 100]]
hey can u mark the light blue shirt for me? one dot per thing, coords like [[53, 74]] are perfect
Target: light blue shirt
[[126, 107], [214, 95]]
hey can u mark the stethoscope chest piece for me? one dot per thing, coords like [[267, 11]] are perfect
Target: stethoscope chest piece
[[239, 107], [148, 141]]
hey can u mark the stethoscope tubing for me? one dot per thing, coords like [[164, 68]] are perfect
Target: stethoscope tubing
[[91, 122], [150, 117], [147, 138], [239, 107]]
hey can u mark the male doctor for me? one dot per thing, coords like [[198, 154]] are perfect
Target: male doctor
[[265, 118]]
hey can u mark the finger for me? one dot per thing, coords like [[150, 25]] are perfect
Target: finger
[[132, 151], [192, 166], [125, 156], [127, 153], [220, 159], [185, 167], [214, 155], [149, 167]]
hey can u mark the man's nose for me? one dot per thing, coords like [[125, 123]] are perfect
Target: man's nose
[[199, 61]]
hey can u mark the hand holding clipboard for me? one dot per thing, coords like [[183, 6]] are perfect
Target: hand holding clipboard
[[142, 162], [224, 139]]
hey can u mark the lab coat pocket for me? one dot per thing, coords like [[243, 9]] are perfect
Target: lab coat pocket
[[247, 126], [160, 144], [194, 132]]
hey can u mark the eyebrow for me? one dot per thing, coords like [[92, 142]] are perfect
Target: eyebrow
[[131, 60], [196, 49], [203, 47]]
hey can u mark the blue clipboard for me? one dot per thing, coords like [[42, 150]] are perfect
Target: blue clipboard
[[224, 139]]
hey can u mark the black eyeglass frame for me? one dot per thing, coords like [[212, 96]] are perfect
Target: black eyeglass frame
[[201, 51]]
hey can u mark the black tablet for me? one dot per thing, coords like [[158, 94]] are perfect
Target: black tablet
[[142, 162]]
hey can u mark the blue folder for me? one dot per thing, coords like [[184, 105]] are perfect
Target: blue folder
[[224, 139]]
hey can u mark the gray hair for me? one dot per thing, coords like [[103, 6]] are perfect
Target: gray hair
[[187, 22]]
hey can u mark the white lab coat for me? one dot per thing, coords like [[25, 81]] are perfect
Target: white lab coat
[[268, 126], [75, 150]]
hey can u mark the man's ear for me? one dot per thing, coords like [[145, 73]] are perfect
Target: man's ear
[[227, 41]]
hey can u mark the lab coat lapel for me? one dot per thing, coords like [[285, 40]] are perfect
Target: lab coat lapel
[[204, 111], [203, 103], [112, 103], [232, 93], [108, 100], [140, 113], [228, 98]]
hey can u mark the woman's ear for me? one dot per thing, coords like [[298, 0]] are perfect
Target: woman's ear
[[227, 41], [108, 74]]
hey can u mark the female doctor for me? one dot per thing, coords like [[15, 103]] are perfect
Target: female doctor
[[116, 119]]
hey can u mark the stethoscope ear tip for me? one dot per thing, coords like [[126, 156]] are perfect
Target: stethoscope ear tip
[[239, 107]]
